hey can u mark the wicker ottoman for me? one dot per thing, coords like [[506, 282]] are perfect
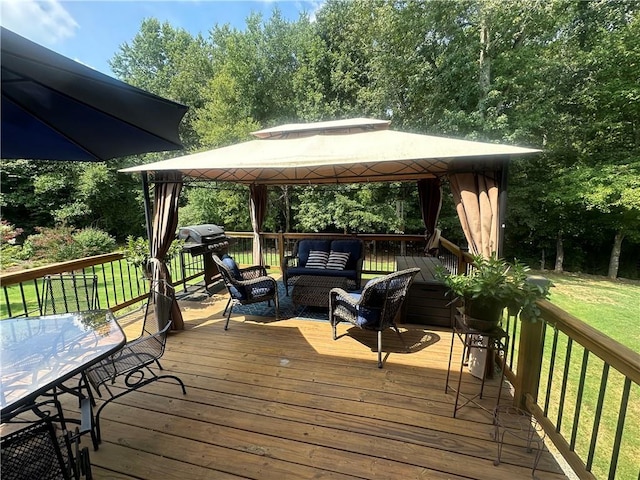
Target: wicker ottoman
[[313, 291]]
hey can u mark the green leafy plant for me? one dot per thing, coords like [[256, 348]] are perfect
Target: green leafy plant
[[494, 284], [136, 252], [93, 241]]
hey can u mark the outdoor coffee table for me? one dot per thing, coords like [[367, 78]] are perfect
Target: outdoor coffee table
[[313, 291]]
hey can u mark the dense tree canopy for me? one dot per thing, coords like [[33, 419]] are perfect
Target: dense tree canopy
[[558, 75]]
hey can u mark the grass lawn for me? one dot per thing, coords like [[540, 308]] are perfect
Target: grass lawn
[[610, 306]]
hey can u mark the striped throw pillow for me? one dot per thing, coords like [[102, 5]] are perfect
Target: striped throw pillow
[[317, 259], [337, 260]]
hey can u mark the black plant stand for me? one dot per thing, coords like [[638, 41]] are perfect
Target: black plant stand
[[497, 340]]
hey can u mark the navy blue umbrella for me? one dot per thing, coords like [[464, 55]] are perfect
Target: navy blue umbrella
[[54, 108]]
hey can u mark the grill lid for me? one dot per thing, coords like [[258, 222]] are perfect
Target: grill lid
[[207, 233]]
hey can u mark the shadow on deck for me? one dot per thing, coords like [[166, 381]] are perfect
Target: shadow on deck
[[283, 400]]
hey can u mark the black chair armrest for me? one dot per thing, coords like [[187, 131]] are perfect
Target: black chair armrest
[[290, 261], [266, 281]]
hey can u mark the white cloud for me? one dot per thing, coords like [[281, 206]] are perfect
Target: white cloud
[[43, 21], [311, 7]]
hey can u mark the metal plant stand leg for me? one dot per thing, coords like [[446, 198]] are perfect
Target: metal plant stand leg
[[446, 385], [522, 425]]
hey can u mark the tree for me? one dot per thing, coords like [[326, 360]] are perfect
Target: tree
[[169, 62]]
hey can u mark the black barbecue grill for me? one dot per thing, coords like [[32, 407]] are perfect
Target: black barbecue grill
[[205, 240]]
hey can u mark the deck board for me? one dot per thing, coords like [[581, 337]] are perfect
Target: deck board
[[280, 400]]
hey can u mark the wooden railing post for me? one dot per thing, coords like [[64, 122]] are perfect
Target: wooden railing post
[[281, 249], [529, 362]]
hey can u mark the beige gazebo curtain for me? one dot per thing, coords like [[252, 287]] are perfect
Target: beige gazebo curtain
[[476, 199], [165, 221], [258, 209]]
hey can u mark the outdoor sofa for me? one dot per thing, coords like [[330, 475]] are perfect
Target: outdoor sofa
[[325, 257]]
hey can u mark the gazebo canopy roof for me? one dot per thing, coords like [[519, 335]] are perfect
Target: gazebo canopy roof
[[343, 151]]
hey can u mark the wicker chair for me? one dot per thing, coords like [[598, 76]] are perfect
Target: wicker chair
[[246, 285], [375, 308], [134, 360], [43, 449]]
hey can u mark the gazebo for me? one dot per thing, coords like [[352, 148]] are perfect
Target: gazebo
[[344, 151]]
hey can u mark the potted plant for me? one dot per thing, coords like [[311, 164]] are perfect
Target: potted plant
[[492, 285], [136, 253]]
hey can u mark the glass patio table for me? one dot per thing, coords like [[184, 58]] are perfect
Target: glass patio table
[[39, 354]]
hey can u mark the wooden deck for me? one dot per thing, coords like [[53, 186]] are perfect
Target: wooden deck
[[283, 400]]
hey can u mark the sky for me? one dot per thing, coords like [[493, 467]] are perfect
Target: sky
[[91, 31]]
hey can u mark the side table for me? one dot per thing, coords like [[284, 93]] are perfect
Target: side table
[[495, 340]]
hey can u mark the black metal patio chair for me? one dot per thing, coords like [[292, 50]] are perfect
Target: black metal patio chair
[[69, 292], [132, 364], [373, 309], [246, 285], [43, 449]]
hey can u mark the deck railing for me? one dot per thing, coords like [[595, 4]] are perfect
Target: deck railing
[[120, 285], [581, 385], [379, 255]]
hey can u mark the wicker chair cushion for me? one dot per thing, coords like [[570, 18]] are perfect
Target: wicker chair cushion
[[232, 265], [367, 317], [239, 292]]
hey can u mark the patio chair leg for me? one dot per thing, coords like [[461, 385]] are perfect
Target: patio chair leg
[[225, 308], [226, 325], [379, 348]]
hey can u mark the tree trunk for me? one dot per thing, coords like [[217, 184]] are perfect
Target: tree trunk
[[485, 67], [543, 261], [614, 260], [287, 208], [559, 254]]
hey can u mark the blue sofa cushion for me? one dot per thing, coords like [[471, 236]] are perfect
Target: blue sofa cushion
[[305, 246], [353, 247], [320, 272]]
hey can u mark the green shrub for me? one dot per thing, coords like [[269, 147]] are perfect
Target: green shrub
[[54, 244], [64, 243], [93, 241]]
